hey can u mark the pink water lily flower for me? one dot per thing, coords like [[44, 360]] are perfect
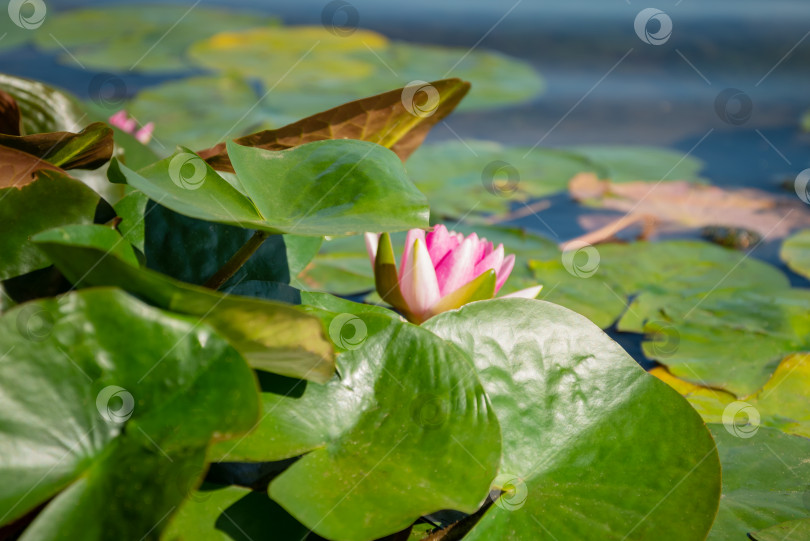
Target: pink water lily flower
[[124, 122], [439, 271]]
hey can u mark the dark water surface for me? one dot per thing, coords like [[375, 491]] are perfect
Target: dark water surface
[[604, 85]]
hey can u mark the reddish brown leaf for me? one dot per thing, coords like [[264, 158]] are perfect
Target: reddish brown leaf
[[387, 119], [19, 168], [696, 205], [9, 114], [89, 149]]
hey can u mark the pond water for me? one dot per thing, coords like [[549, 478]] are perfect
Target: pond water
[[603, 84]]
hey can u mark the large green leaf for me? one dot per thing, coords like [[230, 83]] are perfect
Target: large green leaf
[[52, 200], [321, 188], [406, 430], [765, 480], [587, 453], [231, 513], [154, 38], [90, 415], [796, 252], [271, 336], [697, 335]]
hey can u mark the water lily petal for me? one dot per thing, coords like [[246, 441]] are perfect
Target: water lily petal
[[418, 283], [372, 241], [493, 261], [457, 267], [144, 135], [410, 239], [439, 242], [528, 293], [505, 271]]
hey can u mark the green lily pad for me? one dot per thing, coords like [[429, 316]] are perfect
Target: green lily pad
[[462, 179], [290, 191], [796, 253], [623, 163], [52, 200], [103, 414], [781, 403], [598, 280], [271, 336], [154, 38], [586, 451], [762, 326], [182, 111], [765, 481], [407, 430], [792, 530], [336, 69], [231, 513]]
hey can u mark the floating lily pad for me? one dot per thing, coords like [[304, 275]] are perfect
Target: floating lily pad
[[407, 430], [102, 414], [462, 179], [200, 111], [781, 403], [598, 280], [336, 69], [792, 530], [731, 340], [586, 451], [628, 163], [796, 253], [765, 481], [143, 38]]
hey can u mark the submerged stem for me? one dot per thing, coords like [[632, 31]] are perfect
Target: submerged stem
[[237, 260]]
